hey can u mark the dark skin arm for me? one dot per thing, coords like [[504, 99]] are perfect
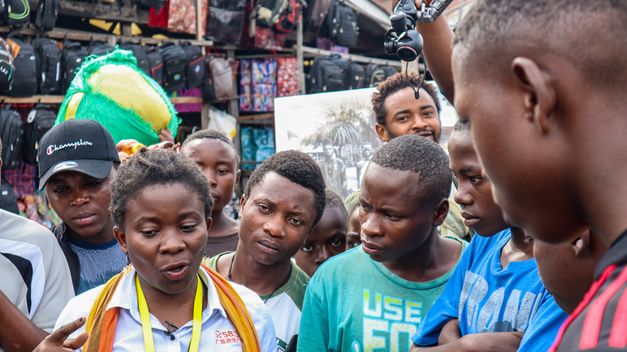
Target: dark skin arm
[[20, 334], [486, 342], [450, 332]]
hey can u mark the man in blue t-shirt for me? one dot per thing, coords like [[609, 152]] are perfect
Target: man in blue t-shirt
[[495, 296]]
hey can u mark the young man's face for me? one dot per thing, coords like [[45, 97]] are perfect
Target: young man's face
[[527, 167], [82, 202], [164, 235], [394, 219], [328, 238], [276, 219], [474, 193], [218, 163], [406, 115]]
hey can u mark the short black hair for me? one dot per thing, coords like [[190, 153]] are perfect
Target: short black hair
[[155, 167], [393, 84], [462, 125], [584, 32], [297, 167], [334, 201], [211, 134], [423, 157]]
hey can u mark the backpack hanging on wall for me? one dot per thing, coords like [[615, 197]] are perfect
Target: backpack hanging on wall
[[155, 62], [326, 75], [49, 72], [73, 57], [219, 84], [47, 12], [317, 11], [7, 68], [25, 78], [174, 66], [290, 17], [39, 121], [195, 69], [16, 12], [12, 135], [355, 76], [140, 54], [341, 23], [225, 20], [99, 48], [374, 75]]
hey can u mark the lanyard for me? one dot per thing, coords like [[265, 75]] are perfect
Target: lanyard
[[149, 343]]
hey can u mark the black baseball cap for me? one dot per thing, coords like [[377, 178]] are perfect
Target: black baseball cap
[[83, 146]]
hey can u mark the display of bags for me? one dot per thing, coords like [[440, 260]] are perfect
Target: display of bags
[[290, 17], [25, 76], [341, 24], [374, 75], [257, 85], [182, 16], [49, 73], [38, 122], [73, 57], [355, 76], [267, 12], [317, 11], [47, 12], [16, 12], [174, 66], [195, 69], [225, 20], [11, 133], [220, 83], [7, 68], [327, 75], [140, 54], [99, 48], [155, 64]]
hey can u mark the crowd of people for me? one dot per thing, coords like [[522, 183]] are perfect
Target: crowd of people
[[513, 240]]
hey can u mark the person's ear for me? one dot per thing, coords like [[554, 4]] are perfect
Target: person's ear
[[540, 98], [581, 244], [209, 222], [382, 132], [242, 203], [441, 212], [238, 175], [120, 236]]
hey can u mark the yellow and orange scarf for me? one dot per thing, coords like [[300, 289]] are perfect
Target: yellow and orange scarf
[[101, 323]]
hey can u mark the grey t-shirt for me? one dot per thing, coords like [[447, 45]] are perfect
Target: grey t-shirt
[[98, 263]]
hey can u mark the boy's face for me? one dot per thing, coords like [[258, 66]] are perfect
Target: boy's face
[[276, 219], [218, 163], [328, 238], [82, 202], [474, 193], [394, 219], [528, 166], [406, 115], [353, 236], [165, 233]]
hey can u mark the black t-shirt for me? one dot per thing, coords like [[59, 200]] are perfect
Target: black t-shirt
[[600, 322]]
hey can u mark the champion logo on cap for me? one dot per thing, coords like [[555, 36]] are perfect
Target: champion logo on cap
[[64, 166], [53, 148]]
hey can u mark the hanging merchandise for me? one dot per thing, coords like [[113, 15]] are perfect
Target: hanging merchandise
[[341, 24], [290, 17], [155, 64], [182, 16], [38, 122], [99, 48], [245, 84], [73, 57], [47, 12], [158, 17], [12, 134], [49, 73], [223, 122], [112, 90], [374, 75], [264, 84], [7, 68], [257, 145], [328, 74], [267, 12], [316, 13], [225, 20], [195, 68], [139, 51], [287, 76], [25, 80], [174, 64], [219, 84], [15, 12], [355, 76]]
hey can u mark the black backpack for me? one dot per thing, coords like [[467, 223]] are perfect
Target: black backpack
[[389, 71], [49, 72], [155, 4], [174, 66], [326, 75], [341, 23], [39, 121], [25, 62], [99, 48], [16, 12], [140, 55], [355, 76], [73, 56], [47, 12], [12, 135], [195, 70], [155, 63], [7, 68], [374, 75]]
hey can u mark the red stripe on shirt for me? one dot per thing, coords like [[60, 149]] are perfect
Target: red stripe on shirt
[[596, 286], [618, 335], [594, 319]]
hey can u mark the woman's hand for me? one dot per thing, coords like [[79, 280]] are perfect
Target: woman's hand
[[58, 341]]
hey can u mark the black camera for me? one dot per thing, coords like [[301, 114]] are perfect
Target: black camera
[[402, 39]]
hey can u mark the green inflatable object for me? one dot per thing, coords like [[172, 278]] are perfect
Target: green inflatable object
[[112, 90]]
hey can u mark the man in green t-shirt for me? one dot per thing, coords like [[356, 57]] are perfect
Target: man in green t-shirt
[[373, 297], [283, 200]]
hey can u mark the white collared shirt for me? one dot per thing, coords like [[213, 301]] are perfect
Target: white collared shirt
[[218, 333]]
